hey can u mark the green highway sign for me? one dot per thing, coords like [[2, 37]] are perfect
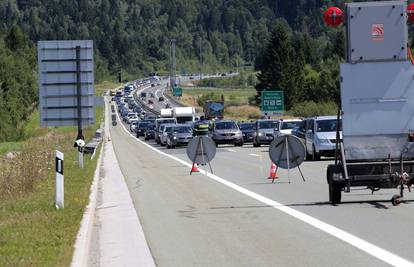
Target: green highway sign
[[177, 91], [273, 102]]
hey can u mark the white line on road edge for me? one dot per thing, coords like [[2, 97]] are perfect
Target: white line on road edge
[[254, 155], [230, 150], [353, 240]]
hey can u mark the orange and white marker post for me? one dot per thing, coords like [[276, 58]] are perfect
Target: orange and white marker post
[[273, 172]]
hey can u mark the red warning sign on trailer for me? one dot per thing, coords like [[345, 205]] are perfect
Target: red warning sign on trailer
[[377, 32]]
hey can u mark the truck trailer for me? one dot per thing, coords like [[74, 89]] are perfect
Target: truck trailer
[[184, 114], [377, 103]]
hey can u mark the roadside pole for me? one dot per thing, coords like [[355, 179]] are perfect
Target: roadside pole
[[60, 195]]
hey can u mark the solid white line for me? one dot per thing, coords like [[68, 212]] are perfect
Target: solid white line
[[230, 150], [353, 240], [254, 155]]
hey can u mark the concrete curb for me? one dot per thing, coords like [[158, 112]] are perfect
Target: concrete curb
[[83, 239]]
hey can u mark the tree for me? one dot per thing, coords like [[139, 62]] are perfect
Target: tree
[[278, 64]]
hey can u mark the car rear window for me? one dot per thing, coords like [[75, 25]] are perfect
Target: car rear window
[[246, 126], [290, 124], [226, 125], [183, 129], [327, 125], [268, 124]]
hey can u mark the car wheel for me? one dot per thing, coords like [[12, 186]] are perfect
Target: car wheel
[[315, 155]]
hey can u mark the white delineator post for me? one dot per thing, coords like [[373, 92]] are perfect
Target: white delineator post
[[59, 201], [80, 157]]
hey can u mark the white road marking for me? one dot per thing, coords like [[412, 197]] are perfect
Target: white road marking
[[373, 250], [254, 155], [230, 150]]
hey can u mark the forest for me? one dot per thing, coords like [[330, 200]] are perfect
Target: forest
[[134, 36]]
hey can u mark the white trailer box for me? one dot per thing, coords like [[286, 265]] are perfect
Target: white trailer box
[[184, 114], [378, 109], [166, 113]]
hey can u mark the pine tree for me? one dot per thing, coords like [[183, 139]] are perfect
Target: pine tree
[[276, 72]]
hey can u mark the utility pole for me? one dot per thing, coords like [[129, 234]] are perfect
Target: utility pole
[[173, 65], [201, 58]]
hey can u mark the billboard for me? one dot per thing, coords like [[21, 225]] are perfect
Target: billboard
[[66, 83]]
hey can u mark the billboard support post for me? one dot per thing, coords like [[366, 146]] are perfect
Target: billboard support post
[[79, 94]]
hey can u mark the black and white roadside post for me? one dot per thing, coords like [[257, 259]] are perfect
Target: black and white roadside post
[[60, 194], [80, 144]]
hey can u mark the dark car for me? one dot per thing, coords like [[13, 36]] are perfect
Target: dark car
[[226, 132], [179, 135], [160, 99], [150, 102], [150, 132], [264, 132], [124, 112], [142, 127], [248, 130]]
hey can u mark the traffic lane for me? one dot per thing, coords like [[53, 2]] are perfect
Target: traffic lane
[[248, 167], [157, 104], [191, 220], [368, 216]]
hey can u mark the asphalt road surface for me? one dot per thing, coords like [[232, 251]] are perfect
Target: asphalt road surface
[[237, 217]]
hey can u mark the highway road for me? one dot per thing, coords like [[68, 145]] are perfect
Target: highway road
[[236, 217]]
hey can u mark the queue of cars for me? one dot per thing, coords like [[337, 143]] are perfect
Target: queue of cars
[[318, 134]]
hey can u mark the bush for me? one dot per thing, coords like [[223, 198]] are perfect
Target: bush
[[210, 96], [310, 108]]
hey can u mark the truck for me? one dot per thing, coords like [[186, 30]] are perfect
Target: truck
[[376, 150], [166, 113], [184, 114], [213, 110]]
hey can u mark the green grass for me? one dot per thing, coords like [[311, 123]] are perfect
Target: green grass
[[10, 146], [102, 87], [234, 95], [32, 231]]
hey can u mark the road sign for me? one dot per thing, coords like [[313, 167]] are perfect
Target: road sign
[[177, 91], [273, 102], [287, 147], [66, 83], [287, 152], [201, 150]]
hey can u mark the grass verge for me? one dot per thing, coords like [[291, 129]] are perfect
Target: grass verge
[[236, 101], [32, 231]]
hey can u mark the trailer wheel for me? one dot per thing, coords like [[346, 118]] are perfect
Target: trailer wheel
[[334, 193], [396, 200]]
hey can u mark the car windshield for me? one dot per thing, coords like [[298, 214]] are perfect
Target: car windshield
[[287, 125], [226, 125], [247, 126], [327, 125], [183, 129], [268, 124], [167, 121], [143, 124]]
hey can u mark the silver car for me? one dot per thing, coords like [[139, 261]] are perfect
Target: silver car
[[226, 132], [265, 130], [179, 135], [167, 129], [320, 137]]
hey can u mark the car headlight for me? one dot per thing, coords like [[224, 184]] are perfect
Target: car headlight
[[260, 134], [175, 137], [323, 141]]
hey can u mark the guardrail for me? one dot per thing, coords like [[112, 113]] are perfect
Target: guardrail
[[173, 100], [144, 105]]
